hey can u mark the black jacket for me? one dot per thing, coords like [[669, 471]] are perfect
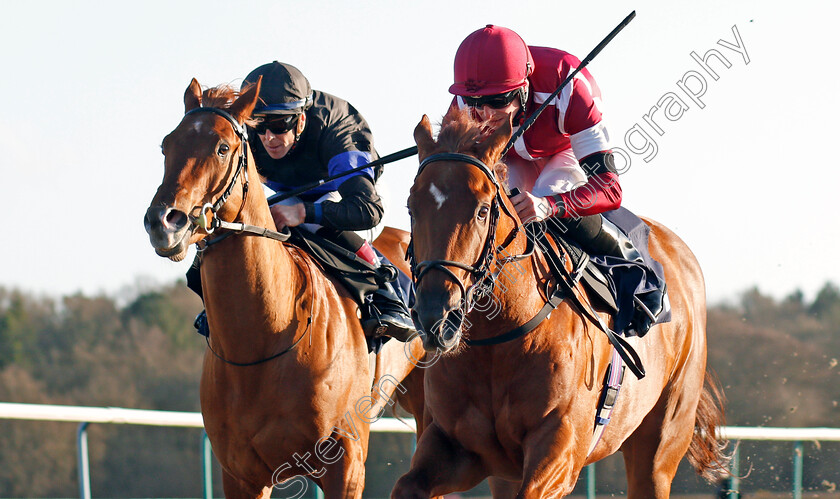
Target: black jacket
[[336, 138]]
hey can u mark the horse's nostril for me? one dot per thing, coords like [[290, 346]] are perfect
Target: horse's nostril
[[175, 219]]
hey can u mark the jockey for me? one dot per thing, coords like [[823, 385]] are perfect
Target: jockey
[[563, 164], [307, 135]]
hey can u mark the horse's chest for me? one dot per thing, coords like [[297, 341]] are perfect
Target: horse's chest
[[273, 420], [500, 408]]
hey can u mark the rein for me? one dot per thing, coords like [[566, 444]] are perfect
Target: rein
[[213, 223], [481, 274], [209, 225], [278, 354], [481, 269]]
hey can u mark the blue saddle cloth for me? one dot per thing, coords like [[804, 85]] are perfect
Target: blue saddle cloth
[[630, 279]]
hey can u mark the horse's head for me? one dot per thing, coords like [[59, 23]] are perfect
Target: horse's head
[[204, 159], [454, 206]]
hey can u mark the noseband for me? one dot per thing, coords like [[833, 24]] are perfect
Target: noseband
[[201, 221], [481, 269], [210, 225]]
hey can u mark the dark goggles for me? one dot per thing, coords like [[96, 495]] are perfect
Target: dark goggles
[[278, 125], [495, 101]]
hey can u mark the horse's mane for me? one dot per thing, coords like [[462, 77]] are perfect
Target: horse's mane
[[221, 96], [460, 132]]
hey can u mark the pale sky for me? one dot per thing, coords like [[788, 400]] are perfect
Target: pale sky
[[748, 180]]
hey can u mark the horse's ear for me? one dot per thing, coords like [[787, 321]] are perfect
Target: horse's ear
[[242, 108], [423, 137], [192, 97], [492, 146]]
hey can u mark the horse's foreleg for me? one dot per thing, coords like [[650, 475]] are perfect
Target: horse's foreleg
[[345, 478], [503, 489], [439, 466], [553, 460], [236, 489]]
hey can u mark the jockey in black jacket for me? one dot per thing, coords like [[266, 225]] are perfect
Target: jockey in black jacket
[[307, 135]]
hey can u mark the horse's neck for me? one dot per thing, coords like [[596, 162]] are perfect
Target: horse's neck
[[515, 294], [252, 284]]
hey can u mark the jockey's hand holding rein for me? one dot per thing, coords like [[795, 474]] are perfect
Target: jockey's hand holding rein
[[288, 215], [531, 208]]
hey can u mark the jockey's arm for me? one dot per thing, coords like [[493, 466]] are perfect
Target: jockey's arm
[[601, 192], [589, 140], [359, 208]]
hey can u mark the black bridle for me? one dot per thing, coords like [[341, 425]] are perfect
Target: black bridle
[[482, 273], [483, 278], [214, 222], [202, 222]]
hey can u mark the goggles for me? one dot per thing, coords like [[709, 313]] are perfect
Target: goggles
[[278, 125], [495, 101]]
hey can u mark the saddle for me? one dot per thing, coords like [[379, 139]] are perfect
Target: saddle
[[358, 276], [614, 285]]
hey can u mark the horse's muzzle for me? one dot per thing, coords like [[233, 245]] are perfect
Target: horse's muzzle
[[439, 329], [168, 229]]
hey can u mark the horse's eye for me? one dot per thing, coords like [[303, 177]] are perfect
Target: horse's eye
[[223, 149], [482, 213]]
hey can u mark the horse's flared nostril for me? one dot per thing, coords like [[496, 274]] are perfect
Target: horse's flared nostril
[[175, 219], [164, 219]]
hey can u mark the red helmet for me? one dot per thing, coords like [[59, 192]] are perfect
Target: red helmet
[[492, 60]]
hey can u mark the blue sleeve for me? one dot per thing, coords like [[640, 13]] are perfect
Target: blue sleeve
[[345, 161]]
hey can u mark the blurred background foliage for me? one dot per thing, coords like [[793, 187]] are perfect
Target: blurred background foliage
[[776, 359]]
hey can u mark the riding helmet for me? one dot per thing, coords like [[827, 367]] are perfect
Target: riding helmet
[[284, 89], [491, 60]]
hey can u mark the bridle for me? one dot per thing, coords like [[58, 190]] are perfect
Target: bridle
[[484, 280], [209, 225]]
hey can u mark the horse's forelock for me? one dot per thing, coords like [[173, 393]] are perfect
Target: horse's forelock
[[221, 96], [459, 132]]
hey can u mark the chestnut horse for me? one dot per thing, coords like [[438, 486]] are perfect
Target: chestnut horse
[[303, 405], [524, 411]]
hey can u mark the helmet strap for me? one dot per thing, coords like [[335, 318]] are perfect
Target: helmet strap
[[519, 118], [297, 133]]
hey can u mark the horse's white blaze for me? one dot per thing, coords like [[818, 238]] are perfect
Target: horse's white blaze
[[439, 196], [197, 126]]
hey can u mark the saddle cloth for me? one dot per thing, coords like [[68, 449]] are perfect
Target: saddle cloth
[[358, 276], [616, 281]]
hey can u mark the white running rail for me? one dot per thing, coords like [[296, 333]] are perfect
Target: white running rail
[[119, 415]]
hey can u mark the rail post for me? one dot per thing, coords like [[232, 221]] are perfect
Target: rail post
[[206, 466], [84, 462], [797, 469], [590, 481]]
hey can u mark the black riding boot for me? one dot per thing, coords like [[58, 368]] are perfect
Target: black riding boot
[[611, 241], [388, 315], [194, 283]]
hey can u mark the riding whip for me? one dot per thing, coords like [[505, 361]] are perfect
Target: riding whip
[[405, 153], [530, 121]]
